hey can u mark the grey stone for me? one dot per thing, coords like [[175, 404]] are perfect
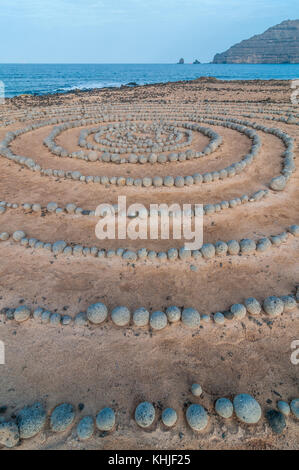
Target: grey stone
[[59, 246], [55, 319], [247, 246], [22, 313], [158, 320], [289, 303], [253, 306], [196, 390], [278, 183], [276, 421], [145, 414], [9, 434], [141, 317], [273, 306], [233, 247], [173, 314], [31, 420], [97, 313], [18, 235], [169, 417], [62, 417], [284, 407], [219, 318], [121, 316], [294, 230], [197, 417], [208, 250], [4, 236], [238, 310], [224, 408], [247, 408], [85, 428], [105, 419], [295, 407], [191, 318]]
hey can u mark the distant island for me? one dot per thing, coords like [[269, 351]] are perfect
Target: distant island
[[278, 45]]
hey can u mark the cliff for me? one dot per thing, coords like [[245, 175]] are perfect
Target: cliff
[[278, 45]]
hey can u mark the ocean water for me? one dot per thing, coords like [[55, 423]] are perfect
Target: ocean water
[[43, 79]]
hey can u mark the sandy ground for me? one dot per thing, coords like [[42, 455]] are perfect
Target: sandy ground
[[107, 366]]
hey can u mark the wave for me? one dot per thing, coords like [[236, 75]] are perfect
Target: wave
[[94, 85]]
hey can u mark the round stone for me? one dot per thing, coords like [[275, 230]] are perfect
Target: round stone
[[22, 313], [295, 407], [105, 419], [238, 310], [59, 246], [247, 246], [278, 183], [85, 428], [145, 414], [4, 236], [219, 318], [158, 320], [224, 408], [289, 303], [18, 235], [169, 417], [294, 230], [196, 390], [9, 434], [121, 316], [208, 250], [62, 417], [273, 306], [97, 313], [276, 421], [173, 314], [263, 245], [55, 319], [284, 407], [253, 306], [31, 420], [52, 206], [221, 248], [141, 317], [191, 318], [233, 247], [247, 408], [197, 417]]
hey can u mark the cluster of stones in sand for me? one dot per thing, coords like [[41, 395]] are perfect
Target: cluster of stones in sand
[[98, 314], [32, 420]]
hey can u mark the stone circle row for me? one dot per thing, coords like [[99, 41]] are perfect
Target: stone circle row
[[156, 181], [72, 208], [208, 251], [98, 314], [31, 420]]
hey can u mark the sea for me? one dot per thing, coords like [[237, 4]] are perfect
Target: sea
[[42, 79]]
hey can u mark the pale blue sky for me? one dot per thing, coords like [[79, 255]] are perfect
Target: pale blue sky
[[131, 31]]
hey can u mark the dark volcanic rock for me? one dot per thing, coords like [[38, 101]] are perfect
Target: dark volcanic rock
[[277, 45]]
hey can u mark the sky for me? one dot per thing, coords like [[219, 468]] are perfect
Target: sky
[[131, 31]]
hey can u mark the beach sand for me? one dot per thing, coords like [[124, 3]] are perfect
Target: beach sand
[[120, 367]]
